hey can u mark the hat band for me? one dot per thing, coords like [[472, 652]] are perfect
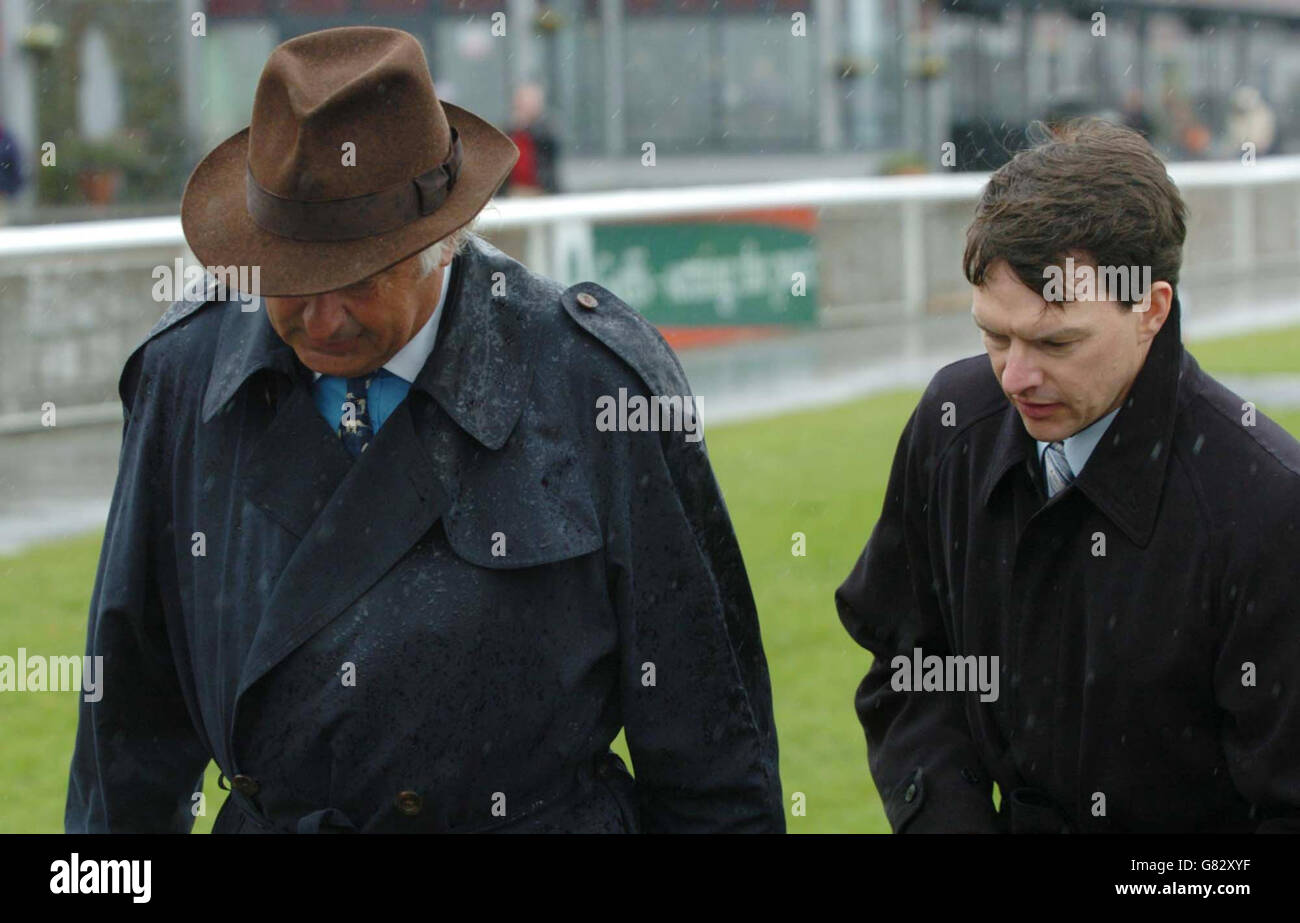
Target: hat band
[[357, 216]]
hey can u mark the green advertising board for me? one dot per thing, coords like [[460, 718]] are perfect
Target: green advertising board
[[709, 274]]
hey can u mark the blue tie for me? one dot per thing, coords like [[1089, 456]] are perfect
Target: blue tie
[[354, 419]]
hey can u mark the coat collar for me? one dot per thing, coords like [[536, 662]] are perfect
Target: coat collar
[[1125, 475], [246, 344], [479, 371]]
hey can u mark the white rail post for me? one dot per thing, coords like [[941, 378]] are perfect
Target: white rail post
[[913, 219]]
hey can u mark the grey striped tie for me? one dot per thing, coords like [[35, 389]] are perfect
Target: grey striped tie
[[1057, 469]]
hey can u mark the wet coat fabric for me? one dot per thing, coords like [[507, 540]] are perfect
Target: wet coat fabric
[[444, 635], [1145, 619]]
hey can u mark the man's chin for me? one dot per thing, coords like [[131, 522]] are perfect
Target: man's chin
[[340, 366], [1052, 428], [1046, 433]]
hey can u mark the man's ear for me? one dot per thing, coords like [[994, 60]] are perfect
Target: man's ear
[[1153, 310]]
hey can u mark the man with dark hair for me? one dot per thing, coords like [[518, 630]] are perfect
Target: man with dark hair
[[1080, 583]]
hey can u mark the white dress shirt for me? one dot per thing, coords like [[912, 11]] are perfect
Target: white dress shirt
[[1079, 446]]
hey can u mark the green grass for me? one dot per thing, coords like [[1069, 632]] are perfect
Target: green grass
[[821, 473], [1270, 352]]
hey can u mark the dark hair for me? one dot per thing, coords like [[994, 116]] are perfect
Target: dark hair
[[1091, 188]]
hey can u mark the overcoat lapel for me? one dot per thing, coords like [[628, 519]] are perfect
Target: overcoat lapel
[[387, 500], [296, 465], [291, 468]]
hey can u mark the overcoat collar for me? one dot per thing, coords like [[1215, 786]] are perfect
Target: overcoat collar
[[1125, 475], [479, 371]]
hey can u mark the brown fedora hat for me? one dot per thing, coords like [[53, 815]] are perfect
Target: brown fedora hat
[[283, 195]]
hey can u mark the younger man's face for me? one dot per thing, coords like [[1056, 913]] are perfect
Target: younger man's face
[[1067, 366]]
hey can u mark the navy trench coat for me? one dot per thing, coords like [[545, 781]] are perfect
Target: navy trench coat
[[1144, 619], [444, 635]]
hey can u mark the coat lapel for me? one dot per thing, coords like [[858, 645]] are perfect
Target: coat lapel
[[358, 518], [296, 465], [1125, 477], [481, 368], [293, 466], [1011, 446], [388, 499]]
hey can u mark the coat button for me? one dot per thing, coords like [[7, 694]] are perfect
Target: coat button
[[587, 300], [409, 803], [245, 785], [970, 775], [910, 793]]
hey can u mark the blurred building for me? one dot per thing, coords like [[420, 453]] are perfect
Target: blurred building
[[724, 90]]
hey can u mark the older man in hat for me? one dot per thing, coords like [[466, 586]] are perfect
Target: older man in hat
[[369, 549]]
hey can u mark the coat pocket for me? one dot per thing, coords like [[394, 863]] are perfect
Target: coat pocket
[[506, 523], [1030, 811]]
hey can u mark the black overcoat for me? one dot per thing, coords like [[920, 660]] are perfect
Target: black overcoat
[[446, 634], [1146, 620]]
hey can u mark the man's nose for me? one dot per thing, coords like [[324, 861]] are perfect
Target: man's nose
[[1021, 372], [324, 317]]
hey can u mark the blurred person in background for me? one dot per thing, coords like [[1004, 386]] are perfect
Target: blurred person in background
[[11, 176], [535, 171], [1250, 121], [1135, 115], [1190, 138]]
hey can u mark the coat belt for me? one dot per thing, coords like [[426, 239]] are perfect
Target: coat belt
[[332, 820]]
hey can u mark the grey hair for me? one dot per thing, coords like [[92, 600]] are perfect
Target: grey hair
[[432, 256]]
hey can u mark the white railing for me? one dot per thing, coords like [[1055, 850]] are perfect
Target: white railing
[[508, 213], [892, 258]]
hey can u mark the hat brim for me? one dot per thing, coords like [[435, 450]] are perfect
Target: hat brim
[[220, 231]]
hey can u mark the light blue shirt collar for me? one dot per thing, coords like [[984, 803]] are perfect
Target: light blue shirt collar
[[407, 361], [1078, 448]]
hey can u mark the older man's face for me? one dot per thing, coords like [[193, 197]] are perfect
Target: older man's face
[[355, 330]]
